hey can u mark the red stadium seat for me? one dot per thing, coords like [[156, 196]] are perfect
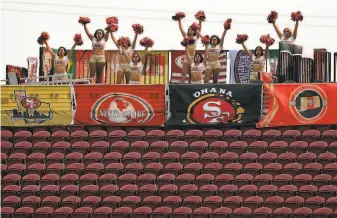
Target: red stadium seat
[[178, 146], [49, 190], [44, 212], [212, 202], [213, 135], [172, 201], [102, 212], [159, 147], [23, 212], [162, 212], [147, 190], [174, 135], [131, 201], [287, 191], [274, 202], [108, 190], [152, 202], [267, 191], [232, 136], [11, 201], [155, 135]]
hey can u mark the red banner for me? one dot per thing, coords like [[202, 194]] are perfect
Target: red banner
[[177, 66], [118, 105], [299, 104]]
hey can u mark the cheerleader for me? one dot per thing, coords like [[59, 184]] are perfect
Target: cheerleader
[[213, 64], [124, 64], [61, 60], [97, 61], [197, 65], [258, 60], [191, 34], [136, 66], [287, 35]]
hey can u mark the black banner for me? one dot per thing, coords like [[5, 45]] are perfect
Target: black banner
[[214, 104]]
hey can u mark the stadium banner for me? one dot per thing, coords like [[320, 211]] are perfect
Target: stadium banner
[[36, 105], [14, 74], [156, 68], [177, 58], [32, 68], [300, 104], [119, 105], [214, 104], [241, 65]]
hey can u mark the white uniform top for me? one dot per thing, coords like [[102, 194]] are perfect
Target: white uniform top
[[197, 69], [136, 69], [257, 63], [61, 62], [100, 44], [289, 40], [214, 51]]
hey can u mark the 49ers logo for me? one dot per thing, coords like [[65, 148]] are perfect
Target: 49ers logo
[[214, 108], [31, 103]]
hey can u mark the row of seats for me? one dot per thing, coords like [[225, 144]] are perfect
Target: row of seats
[[183, 190], [181, 147], [195, 169], [138, 153], [164, 212], [173, 202], [210, 161], [108, 129], [173, 135], [170, 173]]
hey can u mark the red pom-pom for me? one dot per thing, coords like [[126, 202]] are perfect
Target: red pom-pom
[[45, 36], [178, 16], [205, 40], [112, 27], [187, 41], [200, 15], [296, 16], [40, 41], [84, 20], [227, 24], [137, 28], [272, 17], [266, 39], [123, 41], [241, 38], [146, 42], [195, 27], [78, 39], [111, 20]]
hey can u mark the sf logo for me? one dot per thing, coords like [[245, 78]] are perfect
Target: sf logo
[[213, 112]]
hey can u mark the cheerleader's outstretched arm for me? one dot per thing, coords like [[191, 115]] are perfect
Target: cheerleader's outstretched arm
[[87, 32], [49, 49], [249, 53]]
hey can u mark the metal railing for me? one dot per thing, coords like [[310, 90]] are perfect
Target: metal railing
[[54, 80]]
